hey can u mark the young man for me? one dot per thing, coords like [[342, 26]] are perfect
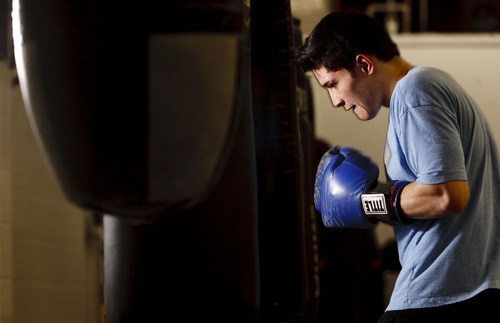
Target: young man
[[442, 163]]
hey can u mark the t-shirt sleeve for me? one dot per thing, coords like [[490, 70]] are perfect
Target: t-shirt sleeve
[[432, 144]]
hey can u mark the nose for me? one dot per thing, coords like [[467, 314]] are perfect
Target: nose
[[336, 100]]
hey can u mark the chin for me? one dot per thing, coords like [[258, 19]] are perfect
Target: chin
[[364, 115]]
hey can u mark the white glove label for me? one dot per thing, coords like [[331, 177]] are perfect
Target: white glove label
[[374, 203]]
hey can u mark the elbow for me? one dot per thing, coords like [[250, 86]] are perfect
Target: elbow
[[452, 202], [431, 201]]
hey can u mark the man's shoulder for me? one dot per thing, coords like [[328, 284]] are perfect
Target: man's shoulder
[[426, 75], [424, 86]]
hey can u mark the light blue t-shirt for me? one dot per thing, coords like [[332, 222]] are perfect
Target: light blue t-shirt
[[438, 134]]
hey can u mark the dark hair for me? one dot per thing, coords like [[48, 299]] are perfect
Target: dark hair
[[339, 37]]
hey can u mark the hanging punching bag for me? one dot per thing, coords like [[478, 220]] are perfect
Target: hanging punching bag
[[143, 111], [284, 141], [125, 98]]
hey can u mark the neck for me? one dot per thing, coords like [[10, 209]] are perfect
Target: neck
[[394, 70]]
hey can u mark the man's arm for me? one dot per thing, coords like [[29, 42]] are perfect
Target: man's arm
[[419, 201]]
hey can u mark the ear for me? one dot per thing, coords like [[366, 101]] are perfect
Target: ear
[[365, 63]]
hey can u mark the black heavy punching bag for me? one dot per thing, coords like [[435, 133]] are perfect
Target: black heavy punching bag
[[143, 111], [126, 97], [284, 145]]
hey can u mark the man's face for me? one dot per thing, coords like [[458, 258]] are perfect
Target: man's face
[[356, 93]]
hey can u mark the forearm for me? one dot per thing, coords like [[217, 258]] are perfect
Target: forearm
[[419, 201]]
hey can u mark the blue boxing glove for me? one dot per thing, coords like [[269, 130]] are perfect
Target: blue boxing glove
[[348, 194]]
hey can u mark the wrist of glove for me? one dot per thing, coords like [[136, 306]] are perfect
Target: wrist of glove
[[382, 203]]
